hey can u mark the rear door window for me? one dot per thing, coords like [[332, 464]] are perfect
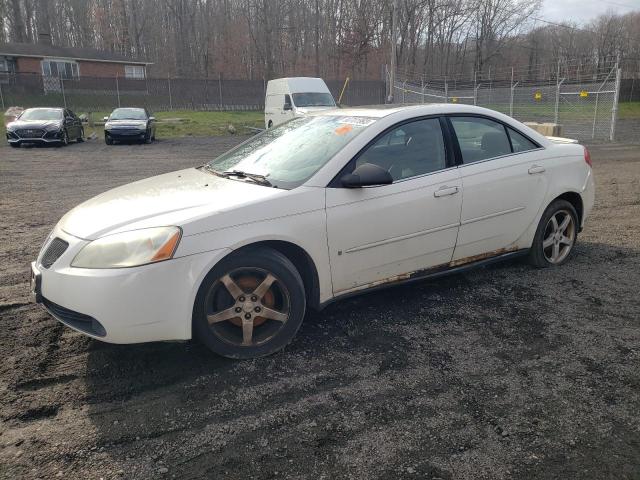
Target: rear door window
[[480, 138], [519, 142]]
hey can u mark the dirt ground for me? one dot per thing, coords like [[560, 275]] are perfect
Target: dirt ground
[[507, 372]]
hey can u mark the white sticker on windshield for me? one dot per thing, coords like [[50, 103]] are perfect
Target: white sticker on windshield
[[357, 121]]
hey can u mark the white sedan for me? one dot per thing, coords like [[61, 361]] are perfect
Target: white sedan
[[319, 208]]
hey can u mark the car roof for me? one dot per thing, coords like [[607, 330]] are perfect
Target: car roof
[[380, 111]]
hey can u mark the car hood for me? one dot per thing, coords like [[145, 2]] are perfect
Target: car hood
[[171, 199], [125, 123], [19, 124]]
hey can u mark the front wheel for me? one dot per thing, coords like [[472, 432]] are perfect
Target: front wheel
[[108, 140], [556, 235], [80, 139], [250, 305], [15, 145], [65, 138]]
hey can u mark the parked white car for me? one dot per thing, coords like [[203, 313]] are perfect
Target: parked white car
[[322, 207], [288, 98]]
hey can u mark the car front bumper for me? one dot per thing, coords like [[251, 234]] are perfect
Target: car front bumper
[[125, 134], [49, 137], [122, 305]]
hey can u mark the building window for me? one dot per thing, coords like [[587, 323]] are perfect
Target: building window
[[134, 71], [60, 68]]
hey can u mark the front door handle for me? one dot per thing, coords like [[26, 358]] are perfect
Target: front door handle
[[536, 169], [445, 190]]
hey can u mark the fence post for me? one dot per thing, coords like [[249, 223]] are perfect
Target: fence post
[[614, 110], [404, 90], [511, 96], [118, 91], [170, 98], [475, 88], [446, 91], [557, 112], [220, 88], [64, 96], [2, 97], [422, 89]]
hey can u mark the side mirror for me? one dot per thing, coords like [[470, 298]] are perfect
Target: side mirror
[[287, 106], [105, 118], [152, 118], [367, 175]]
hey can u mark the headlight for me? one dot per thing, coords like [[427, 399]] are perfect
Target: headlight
[[129, 249], [52, 128]]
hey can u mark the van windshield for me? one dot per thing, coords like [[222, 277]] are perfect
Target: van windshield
[[289, 154], [313, 99]]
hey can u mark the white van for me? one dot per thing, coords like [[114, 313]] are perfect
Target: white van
[[293, 97]]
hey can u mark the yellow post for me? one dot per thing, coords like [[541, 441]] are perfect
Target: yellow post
[[344, 87]]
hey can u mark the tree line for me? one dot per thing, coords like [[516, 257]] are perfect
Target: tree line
[[257, 39]]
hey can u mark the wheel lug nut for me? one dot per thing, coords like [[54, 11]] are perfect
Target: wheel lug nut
[[254, 298], [238, 309], [257, 309], [241, 299], [247, 316]]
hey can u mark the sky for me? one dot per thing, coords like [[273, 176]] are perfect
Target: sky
[[582, 11]]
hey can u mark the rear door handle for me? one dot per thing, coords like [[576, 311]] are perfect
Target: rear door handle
[[536, 169], [445, 190]]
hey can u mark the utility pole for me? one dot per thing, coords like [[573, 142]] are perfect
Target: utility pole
[[394, 41]]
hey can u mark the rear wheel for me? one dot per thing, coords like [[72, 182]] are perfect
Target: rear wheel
[[556, 235], [250, 305]]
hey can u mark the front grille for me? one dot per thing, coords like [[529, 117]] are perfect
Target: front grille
[[30, 132], [53, 252], [126, 131], [77, 320]]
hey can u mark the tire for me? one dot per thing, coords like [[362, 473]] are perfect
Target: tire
[[236, 329], [65, 138], [15, 145], [80, 139], [270, 125], [108, 140], [553, 246], [147, 138]]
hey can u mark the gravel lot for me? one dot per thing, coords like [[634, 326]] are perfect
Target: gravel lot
[[505, 372]]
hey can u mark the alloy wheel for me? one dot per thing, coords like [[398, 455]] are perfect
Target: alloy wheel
[[247, 307], [559, 236]]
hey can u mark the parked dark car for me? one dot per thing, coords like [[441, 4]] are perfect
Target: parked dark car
[[128, 125], [45, 126]]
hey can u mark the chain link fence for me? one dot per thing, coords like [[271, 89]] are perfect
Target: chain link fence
[[583, 101], [98, 94]]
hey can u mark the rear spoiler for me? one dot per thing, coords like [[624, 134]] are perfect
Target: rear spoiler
[[561, 140]]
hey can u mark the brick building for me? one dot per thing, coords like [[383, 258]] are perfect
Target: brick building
[[51, 61]]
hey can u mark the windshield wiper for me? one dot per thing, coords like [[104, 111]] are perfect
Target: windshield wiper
[[257, 178]]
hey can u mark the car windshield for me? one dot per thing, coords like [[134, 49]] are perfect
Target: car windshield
[[128, 114], [289, 154], [41, 114], [313, 99]]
